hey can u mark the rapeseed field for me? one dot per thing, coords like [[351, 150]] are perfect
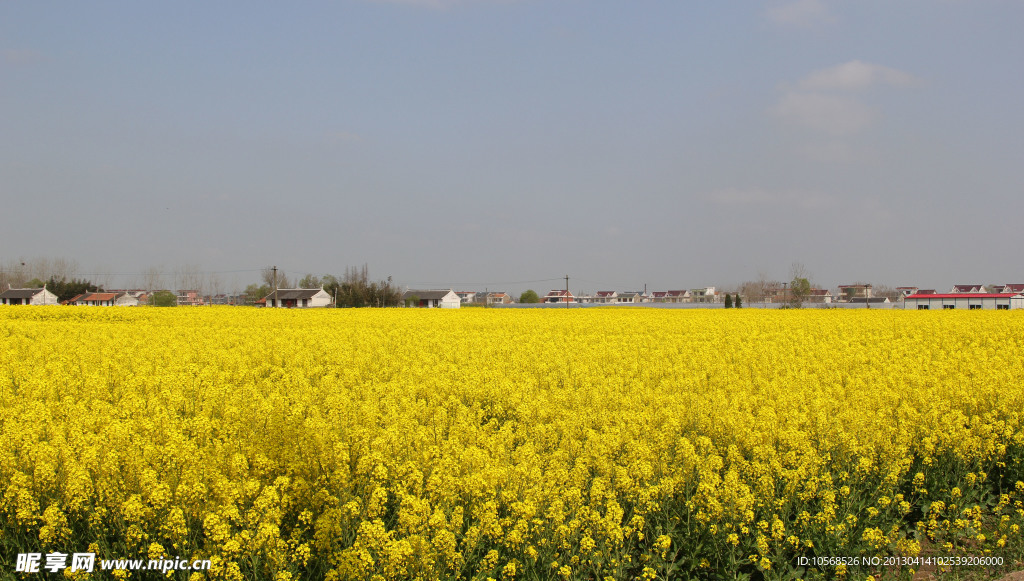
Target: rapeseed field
[[559, 445]]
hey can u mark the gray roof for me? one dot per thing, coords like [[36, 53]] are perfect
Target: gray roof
[[287, 294], [20, 293], [426, 294]]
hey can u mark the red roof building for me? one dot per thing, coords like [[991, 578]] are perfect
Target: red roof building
[[559, 296], [965, 301]]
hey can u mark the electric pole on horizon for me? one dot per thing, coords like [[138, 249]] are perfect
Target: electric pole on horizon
[[567, 291]]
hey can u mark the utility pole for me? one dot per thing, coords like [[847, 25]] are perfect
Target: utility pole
[[275, 285], [567, 291]]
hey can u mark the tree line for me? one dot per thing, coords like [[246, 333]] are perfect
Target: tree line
[[352, 289]]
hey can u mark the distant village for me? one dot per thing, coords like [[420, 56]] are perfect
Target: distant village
[[770, 295]]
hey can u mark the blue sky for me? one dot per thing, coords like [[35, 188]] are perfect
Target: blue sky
[[482, 143]]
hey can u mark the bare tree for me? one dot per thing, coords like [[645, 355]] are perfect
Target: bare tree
[[18, 272], [215, 284], [752, 291], [13, 274], [886, 291], [764, 289], [190, 277], [267, 275], [152, 279]]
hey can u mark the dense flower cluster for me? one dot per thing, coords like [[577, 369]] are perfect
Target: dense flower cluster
[[508, 444]]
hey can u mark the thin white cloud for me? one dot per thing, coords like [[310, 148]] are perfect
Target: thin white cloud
[[761, 197], [855, 76], [802, 13], [829, 113], [823, 100]]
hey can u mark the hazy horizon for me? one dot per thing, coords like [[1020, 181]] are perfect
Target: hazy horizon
[[504, 144]]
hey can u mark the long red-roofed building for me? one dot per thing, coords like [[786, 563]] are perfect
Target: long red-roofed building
[[559, 296]]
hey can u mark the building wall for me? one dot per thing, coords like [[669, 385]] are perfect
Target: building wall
[[963, 303], [44, 298]]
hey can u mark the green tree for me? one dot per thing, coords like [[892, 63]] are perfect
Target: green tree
[[728, 301], [799, 290], [65, 289], [163, 298], [310, 281], [529, 296], [255, 292], [738, 303], [799, 286]]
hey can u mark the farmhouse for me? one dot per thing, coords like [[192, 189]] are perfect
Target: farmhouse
[[559, 296], [499, 299], [632, 297], [969, 288], [677, 296], [189, 298], [430, 299], [819, 295], [466, 296], [105, 299], [869, 300], [906, 291], [707, 294], [299, 298], [965, 301], [847, 292], [1011, 288], [27, 296]]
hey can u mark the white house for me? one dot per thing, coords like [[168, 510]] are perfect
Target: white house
[[969, 288], [559, 296], [847, 292], [105, 299], [499, 299], [819, 295], [631, 297], [466, 296], [431, 299], [189, 298], [1011, 288], [967, 301], [677, 296], [906, 291], [27, 296], [299, 298], [704, 295]]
